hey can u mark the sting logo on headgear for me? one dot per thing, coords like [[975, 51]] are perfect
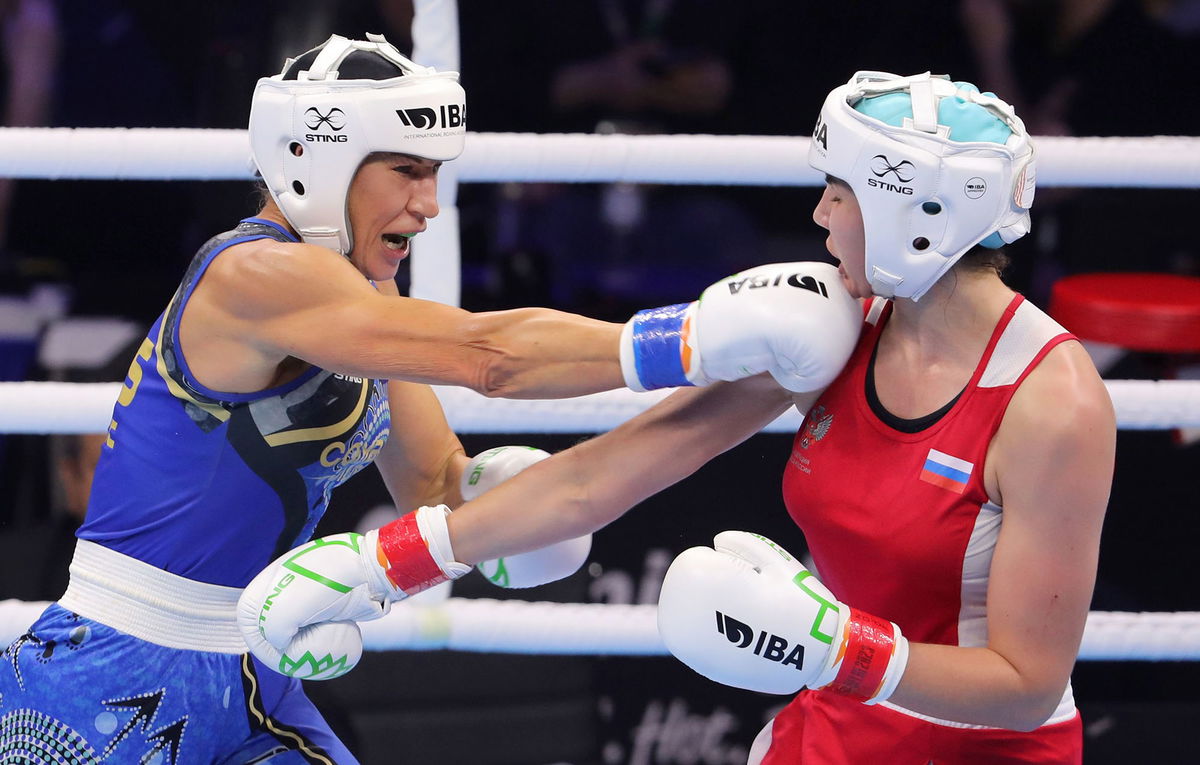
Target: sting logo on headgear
[[770, 647], [881, 167], [426, 118], [335, 118]]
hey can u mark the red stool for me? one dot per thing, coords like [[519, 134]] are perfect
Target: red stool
[[1159, 313], [1153, 313]]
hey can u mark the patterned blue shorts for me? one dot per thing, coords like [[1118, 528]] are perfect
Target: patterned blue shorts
[[76, 691]]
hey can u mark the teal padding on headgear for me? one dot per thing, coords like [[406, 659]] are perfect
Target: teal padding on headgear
[[967, 121]]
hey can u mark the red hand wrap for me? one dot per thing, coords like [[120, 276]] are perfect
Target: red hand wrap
[[410, 565], [869, 644]]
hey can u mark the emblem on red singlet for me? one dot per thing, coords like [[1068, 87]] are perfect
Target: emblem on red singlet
[[816, 426]]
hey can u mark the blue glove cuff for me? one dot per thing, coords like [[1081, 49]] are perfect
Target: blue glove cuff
[[656, 353]]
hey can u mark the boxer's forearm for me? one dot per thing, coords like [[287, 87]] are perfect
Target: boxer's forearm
[[542, 353], [975, 686], [582, 489]]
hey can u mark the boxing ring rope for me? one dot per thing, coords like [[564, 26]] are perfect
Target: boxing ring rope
[[509, 626], [599, 629], [53, 407], [596, 629], [165, 154], [213, 155]]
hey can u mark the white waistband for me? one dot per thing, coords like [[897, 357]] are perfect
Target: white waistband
[[149, 603]]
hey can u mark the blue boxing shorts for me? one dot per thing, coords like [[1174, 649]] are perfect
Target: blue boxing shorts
[[76, 690]]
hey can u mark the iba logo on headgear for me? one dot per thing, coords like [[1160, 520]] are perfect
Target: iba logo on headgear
[[426, 118], [821, 134]]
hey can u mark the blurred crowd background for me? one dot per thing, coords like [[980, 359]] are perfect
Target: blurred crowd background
[[72, 251]]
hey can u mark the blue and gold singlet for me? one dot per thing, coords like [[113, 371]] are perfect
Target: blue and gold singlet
[[141, 659], [213, 486]]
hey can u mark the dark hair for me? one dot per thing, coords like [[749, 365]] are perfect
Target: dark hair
[[261, 193], [985, 258]]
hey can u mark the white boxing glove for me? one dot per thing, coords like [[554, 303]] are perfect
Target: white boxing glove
[[317, 652], [298, 615], [747, 614], [794, 320], [548, 564]]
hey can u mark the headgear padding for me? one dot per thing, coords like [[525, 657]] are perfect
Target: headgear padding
[[310, 128], [937, 167]]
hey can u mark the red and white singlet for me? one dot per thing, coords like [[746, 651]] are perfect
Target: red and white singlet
[[899, 525]]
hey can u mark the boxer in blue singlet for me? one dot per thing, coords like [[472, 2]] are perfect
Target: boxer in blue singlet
[[271, 377], [232, 428], [250, 475]]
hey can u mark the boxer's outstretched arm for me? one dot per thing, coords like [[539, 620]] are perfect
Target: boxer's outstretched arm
[[586, 487], [279, 301]]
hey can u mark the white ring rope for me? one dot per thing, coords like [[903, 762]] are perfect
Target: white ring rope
[[599, 629], [55, 407], [206, 154], [509, 626]]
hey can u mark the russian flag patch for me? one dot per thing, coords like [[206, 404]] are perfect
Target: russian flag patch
[[946, 471]]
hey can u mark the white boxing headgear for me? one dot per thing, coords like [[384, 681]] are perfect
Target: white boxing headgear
[[936, 166], [313, 124]]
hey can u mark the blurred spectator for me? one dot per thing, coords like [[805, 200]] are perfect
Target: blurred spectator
[[608, 66], [1060, 62], [35, 550], [753, 67], [1096, 67], [759, 66], [110, 74], [1018, 48], [31, 42]]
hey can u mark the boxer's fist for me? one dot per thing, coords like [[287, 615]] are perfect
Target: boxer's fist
[[747, 614], [324, 583], [317, 652], [557, 561], [297, 616], [794, 320]]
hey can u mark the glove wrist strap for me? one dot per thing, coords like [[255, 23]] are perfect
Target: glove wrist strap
[[867, 670], [655, 352], [417, 552]]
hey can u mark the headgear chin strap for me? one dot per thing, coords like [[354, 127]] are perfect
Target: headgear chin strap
[[309, 135], [927, 195]]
